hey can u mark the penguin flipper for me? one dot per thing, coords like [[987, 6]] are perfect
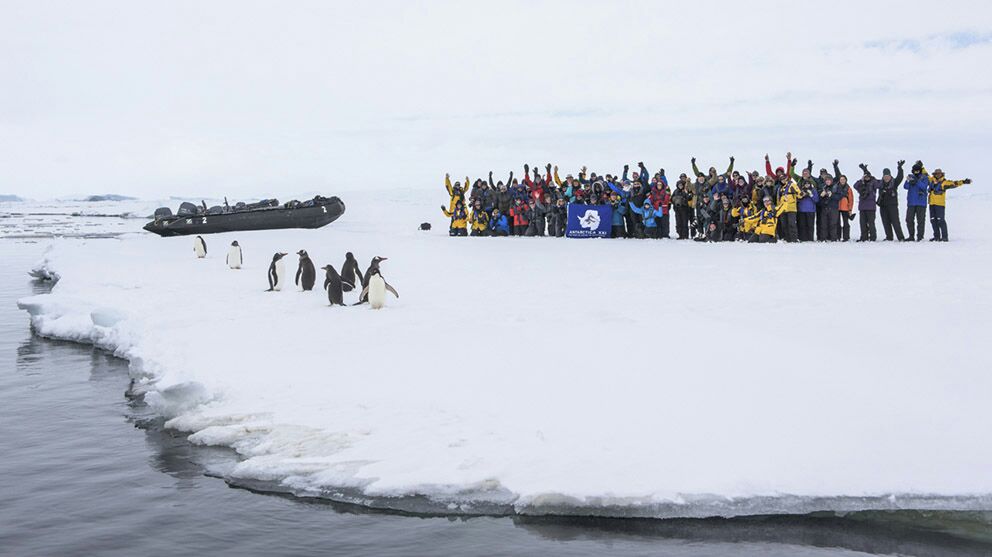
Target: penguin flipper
[[391, 289], [365, 293]]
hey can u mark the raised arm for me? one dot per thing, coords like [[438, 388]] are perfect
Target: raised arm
[[447, 184], [899, 175], [836, 171], [730, 169], [768, 167], [491, 184], [695, 169], [557, 179]]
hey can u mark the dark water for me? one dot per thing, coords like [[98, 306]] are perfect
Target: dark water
[[85, 471]]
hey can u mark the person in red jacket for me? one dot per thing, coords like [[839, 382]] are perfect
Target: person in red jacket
[[518, 215], [661, 198], [538, 186]]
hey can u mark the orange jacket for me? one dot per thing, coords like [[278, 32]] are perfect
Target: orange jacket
[[847, 202]]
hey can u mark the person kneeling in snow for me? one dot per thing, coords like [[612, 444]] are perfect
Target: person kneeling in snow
[[480, 219], [765, 223], [459, 219], [498, 225]]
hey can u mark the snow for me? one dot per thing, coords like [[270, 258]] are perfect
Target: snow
[[537, 375]]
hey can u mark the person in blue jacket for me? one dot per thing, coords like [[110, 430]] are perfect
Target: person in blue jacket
[[721, 188], [916, 187], [619, 205], [498, 225], [648, 214]]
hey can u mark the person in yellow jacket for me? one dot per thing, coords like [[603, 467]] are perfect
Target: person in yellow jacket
[[456, 192], [788, 194], [937, 199], [479, 219], [745, 213], [459, 219], [765, 223]]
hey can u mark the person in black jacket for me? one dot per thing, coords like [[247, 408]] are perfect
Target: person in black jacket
[[726, 221], [828, 228], [558, 218], [680, 204], [888, 203], [502, 197], [705, 217], [536, 218]]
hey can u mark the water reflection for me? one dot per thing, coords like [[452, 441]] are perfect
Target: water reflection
[[885, 533]]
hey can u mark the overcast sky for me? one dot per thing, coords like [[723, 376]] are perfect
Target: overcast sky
[[262, 98]]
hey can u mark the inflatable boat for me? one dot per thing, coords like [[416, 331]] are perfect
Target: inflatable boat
[[264, 215]]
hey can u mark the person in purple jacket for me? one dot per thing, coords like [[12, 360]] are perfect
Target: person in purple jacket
[[867, 188], [806, 208]]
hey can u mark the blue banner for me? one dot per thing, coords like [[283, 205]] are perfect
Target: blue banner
[[589, 221]]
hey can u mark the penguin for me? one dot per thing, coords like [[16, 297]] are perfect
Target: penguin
[[373, 266], [376, 289], [305, 271], [234, 256], [199, 247], [277, 270], [351, 273], [333, 283]]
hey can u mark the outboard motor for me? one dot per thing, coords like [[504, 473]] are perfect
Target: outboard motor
[[163, 213], [187, 209]]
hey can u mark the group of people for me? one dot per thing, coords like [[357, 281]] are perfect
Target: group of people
[[710, 207]]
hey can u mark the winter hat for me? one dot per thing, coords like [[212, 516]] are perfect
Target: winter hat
[[917, 168], [886, 172]]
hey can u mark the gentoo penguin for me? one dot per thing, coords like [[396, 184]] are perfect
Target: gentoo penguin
[[373, 266], [199, 247], [305, 271], [277, 270], [333, 284], [376, 289], [350, 272], [234, 256]]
